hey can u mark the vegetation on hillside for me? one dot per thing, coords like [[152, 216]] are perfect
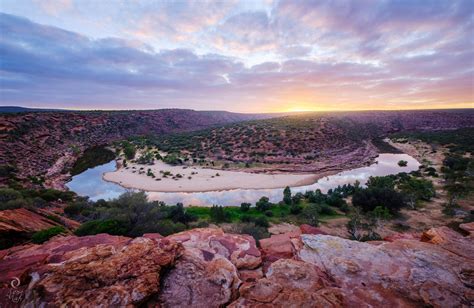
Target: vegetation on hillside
[[92, 157], [458, 164]]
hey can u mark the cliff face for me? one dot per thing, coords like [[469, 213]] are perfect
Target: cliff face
[[209, 268], [47, 143]]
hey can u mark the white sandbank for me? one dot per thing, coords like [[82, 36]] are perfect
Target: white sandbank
[[204, 180]]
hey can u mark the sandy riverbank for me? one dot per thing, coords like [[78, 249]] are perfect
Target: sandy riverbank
[[196, 179]]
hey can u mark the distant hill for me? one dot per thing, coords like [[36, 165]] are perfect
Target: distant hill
[[18, 109]]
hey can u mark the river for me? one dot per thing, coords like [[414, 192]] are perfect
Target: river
[[90, 183]]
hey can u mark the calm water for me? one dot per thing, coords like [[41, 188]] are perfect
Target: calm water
[[90, 183]]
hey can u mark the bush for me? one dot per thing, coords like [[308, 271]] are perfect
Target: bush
[[381, 212], [325, 209], [167, 227], [262, 222], [368, 199], [335, 201], [8, 194], [44, 235], [109, 226], [296, 209], [246, 218], [75, 209], [129, 150], [256, 232], [263, 204], [218, 214], [244, 207], [417, 189], [297, 198], [269, 213], [381, 182], [311, 215], [402, 163], [178, 214]]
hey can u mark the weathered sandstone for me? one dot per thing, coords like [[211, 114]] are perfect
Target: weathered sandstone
[[209, 268]]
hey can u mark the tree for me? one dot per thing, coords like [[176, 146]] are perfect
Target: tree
[[244, 207], [381, 182], [297, 198], [287, 195], [368, 199], [263, 204], [417, 189]]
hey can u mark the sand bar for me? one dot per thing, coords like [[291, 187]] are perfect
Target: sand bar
[[202, 179]]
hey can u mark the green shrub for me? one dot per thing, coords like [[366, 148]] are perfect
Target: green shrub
[[368, 199], [109, 226], [167, 227], [262, 222], [402, 163], [311, 214], [263, 204], [287, 195], [324, 209], [244, 207], [381, 212], [218, 214], [255, 231], [44, 235], [246, 218], [296, 209], [269, 213], [8, 194]]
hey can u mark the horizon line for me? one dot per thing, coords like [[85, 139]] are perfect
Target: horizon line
[[50, 109]]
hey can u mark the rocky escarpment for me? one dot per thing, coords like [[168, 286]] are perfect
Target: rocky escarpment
[[209, 268], [46, 144]]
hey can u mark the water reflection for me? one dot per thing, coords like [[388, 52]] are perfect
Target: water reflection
[[90, 183]]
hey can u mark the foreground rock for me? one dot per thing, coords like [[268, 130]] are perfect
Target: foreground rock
[[208, 273], [209, 268], [207, 243], [99, 270], [291, 283], [18, 225], [400, 273]]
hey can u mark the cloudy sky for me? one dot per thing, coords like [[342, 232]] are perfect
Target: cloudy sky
[[245, 56]]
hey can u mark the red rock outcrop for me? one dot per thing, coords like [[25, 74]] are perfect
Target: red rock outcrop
[[207, 243], [194, 282], [208, 273], [280, 246], [403, 273], [209, 268], [307, 229], [23, 221], [291, 283], [17, 225], [100, 270]]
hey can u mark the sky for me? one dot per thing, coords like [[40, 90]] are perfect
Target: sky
[[242, 56]]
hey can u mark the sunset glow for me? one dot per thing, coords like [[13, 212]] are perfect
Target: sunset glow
[[243, 56]]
